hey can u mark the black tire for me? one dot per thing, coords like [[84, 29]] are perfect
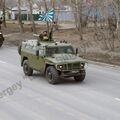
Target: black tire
[[19, 49], [81, 77], [52, 75], [26, 68], [1, 43]]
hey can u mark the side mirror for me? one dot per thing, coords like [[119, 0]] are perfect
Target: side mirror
[[38, 43], [37, 53]]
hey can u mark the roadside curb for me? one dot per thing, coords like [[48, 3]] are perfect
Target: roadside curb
[[115, 67], [8, 35]]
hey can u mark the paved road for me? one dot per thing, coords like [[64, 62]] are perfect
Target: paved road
[[22, 98]]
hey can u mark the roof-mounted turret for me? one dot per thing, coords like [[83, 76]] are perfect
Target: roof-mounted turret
[[44, 37]]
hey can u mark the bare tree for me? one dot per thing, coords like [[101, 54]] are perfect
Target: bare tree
[[46, 8], [77, 5], [31, 16], [4, 13], [117, 6], [0, 14], [118, 13], [80, 18], [75, 9], [39, 4], [0, 2], [3, 8], [56, 19], [19, 17]]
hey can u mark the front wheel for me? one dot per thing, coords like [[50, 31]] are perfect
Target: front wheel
[[52, 75], [81, 77], [26, 68]]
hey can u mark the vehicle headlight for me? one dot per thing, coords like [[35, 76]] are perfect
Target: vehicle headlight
[[82, 65], [60, 66]]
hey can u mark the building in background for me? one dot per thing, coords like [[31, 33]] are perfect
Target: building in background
[[25, 11], [7, 13]]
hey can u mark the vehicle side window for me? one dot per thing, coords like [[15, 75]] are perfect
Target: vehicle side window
[[41, 52], [69, 50]]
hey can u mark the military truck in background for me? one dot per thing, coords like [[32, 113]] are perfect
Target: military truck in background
[[54, 59]]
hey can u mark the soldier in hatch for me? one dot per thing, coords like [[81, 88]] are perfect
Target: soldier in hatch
[[44, 36]]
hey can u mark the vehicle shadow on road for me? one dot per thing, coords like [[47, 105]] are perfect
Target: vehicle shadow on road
[[69, 81], [63, 81]]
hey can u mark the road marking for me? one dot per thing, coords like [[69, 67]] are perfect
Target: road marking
[[2, 62], [118, 99]]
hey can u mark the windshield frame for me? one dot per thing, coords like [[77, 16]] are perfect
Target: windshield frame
[[59, 47]]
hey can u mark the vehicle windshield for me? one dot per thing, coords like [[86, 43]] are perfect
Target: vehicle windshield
[[59, 50]]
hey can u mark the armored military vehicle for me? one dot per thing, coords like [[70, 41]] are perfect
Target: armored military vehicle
[[54, 59]]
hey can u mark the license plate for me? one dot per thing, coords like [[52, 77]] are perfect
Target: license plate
[[74, 72]]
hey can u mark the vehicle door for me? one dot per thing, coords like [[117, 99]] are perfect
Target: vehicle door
[[37, 59]]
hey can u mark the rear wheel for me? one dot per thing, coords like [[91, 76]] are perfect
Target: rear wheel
[[26, 68], [1, 43], [81, 77], [52, 75]]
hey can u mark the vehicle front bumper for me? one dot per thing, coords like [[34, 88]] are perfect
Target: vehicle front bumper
[[72, 73]]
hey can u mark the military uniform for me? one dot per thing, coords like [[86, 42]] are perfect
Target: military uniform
[[44, 36]]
